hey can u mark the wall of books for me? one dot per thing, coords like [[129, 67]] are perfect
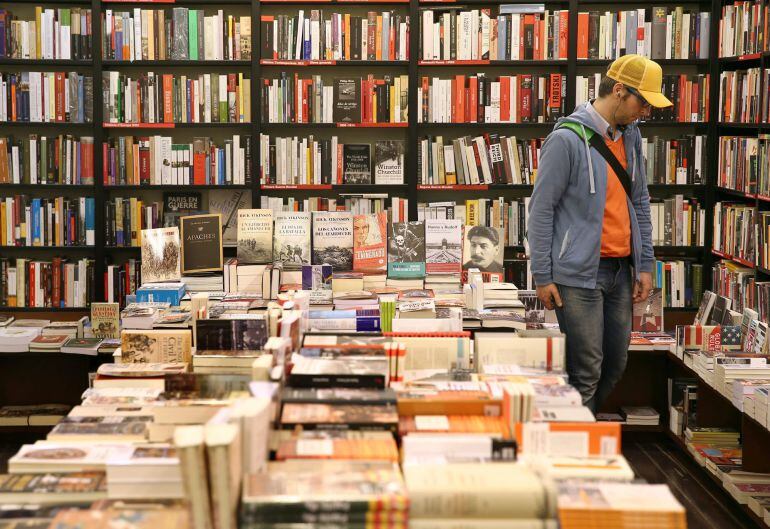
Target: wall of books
[[425, 110]]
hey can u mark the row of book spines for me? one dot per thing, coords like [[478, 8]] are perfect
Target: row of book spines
[[679, 161], [63, 33], [740, 166], [126, 218], [677, 35], [666, 275], [189, 35], [753, 20], [64, 160], [122, 280], [681, 221], [688, 93], [54, 284], [374, 37], [739, 95], [310, 101], [505, 37], [494, 159], [133, 161], [22, 97], [226, 99], [734, 230], [516, 98], [46, 222]]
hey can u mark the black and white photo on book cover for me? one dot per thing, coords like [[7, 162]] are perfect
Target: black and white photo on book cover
[[255, 236], [161, 251], [333, 239]]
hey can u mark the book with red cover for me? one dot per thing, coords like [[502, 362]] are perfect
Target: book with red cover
[[369, 242]]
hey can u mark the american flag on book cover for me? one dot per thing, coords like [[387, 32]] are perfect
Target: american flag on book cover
[[731, 336]]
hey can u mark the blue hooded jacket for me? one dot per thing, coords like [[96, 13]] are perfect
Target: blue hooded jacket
[[566, 211]]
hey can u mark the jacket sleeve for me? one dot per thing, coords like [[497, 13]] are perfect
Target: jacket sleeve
[[552, 178], [642, 210]]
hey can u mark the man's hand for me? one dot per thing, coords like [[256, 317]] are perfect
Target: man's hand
[[549, 295], [641, 288]]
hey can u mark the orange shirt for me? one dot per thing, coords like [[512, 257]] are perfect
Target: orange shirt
[[616, 228]]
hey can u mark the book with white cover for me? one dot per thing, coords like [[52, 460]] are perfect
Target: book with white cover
[[291, 239], [65, 457], [255, 236]]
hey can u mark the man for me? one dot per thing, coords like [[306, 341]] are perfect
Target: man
[[484, 245], [589, 233]]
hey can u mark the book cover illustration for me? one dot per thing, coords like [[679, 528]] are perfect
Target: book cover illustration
[[333, 239], [389, 162], [483, 249], [227, 202], [347, 101], [369, 242], [105, 320], [443, 246], [255, 236], [291, 239], [156, 345], [648, 314], [161, 250], [202, 243], [356, 163], [406, 249]]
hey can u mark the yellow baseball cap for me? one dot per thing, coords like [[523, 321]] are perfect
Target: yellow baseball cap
[[642, 74]]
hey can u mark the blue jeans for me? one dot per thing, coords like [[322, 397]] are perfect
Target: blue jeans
[[597, 324]]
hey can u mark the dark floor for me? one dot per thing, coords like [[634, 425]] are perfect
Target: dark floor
[[656, 459]]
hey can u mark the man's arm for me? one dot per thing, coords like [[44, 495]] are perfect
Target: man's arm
[[552, 179], [643, 218]]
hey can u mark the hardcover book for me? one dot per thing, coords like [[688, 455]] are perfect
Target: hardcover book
[[105, 320], [155, 345], [356, 163], [333, 239], [291, 239], [347, 101], [255, 236], [483, 249], [228, 202], [201, 243], [160, 255], [369, 234], [443, 246], [225, 334], [648, 314], [389, 162], [406, 249]]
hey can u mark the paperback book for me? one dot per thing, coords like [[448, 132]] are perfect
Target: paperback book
[[291, 239], [483, 249], [356, 163], [369, 238], [406, 250], [443, 246], [105, 320], [333, 239], [389, 162], [201, 243], [161, 255], [255, 236]]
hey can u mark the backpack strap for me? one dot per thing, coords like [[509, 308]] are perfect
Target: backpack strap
[[586, 134]]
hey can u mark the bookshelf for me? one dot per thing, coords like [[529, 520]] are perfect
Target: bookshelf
[[258, 67]]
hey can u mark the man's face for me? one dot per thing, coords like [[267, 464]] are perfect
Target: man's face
[[483, 251], [631, 108], [360, 230]]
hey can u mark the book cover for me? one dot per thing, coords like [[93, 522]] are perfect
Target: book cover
[[406, 249], [483, 249], [226, 334], [369, 250], [182, 201], [347, 101], [389, 162], [356, 163], [227, 202], [648, 314], [161, 250], [155, 345], [291, 239], [443, 246], [105, 320], [702, 317], [255, 236], [201, 243], [333, 239]]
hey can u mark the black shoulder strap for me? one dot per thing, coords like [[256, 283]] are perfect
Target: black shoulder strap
[[598, 143]]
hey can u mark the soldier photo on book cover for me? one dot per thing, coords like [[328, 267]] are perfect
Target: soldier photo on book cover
[[161, 252], [333, 239], [255, 236]]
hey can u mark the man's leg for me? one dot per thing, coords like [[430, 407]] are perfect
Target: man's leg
[[581, 319], [618, 307]]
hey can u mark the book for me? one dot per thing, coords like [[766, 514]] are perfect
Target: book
[[84, 346], [443, 246], [356, 163], [483, 249], [648, 314], [228, 202], [201, 243], [161, 250], [230, 334], [333, 239], [291, 239], [389, 162], [369, 242], [406, 250], [347, 100], [155, 345], [105, 320], [77, 487], [255, 236]]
